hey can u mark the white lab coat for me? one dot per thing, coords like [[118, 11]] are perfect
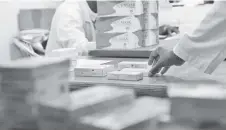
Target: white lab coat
[[205, 48], [72, 27]]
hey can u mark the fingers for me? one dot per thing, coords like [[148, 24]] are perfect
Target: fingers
[[164, 70], [156, 68], [155, 54], [155, 61], [152, 57]]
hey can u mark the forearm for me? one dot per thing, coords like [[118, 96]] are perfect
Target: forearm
[[205, 47]]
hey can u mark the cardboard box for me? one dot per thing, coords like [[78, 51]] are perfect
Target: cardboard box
[[124, 75], [93, 71], [122, 24], [46, 88], [54, 115], [127, 40], [200, 104], [119, 8], [137, 116], [151, 21], [144, 71], [133, 64], [150, 6], [33, 68], [99, 99]]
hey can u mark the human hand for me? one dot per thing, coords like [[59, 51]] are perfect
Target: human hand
[[161, 60]]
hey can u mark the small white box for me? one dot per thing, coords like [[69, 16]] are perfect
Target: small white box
[[144, 71], [99, 99], [132, 64], [137, 116], [128, 76], [201, 103], [93, 71]]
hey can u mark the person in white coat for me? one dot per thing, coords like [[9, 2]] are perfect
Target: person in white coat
[[204, 48], [73, 26]]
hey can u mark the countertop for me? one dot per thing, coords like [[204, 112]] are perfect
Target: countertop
[[177, 76]]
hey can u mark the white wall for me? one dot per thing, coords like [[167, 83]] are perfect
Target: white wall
[[9, 10], [8, 28]]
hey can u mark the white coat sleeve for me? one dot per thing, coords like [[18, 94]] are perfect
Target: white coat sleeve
[[205, 48], [70, 31]]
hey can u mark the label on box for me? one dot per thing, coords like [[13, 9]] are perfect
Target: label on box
[[126, 24], [126, 40], [128, 7]]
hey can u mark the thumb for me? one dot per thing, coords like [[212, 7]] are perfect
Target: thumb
[[156, 68]]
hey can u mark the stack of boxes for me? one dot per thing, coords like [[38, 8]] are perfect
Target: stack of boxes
[[25, 83], [127, 24], [54, 114]]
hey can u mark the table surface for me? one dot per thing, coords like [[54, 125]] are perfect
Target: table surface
[[177, 76]]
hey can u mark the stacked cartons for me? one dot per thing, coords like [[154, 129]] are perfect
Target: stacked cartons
[[125, 25], [140, 115], [54, 114], [151, 20], [26, 82]]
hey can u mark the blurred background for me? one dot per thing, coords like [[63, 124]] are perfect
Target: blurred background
[[17, 15]]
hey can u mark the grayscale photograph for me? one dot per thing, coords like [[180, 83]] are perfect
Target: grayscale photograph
[[113, 65]]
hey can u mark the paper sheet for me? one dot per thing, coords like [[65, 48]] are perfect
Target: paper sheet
[[87, 62]]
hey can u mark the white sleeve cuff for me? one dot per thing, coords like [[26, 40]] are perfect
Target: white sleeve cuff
[[180, 52]]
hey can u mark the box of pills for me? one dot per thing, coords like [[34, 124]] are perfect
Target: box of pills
[[129, 40], [136, 116], [144, 71], [200, 104], [119, 8], [93, 71], [133, 64], [124, 75], [99, 99]]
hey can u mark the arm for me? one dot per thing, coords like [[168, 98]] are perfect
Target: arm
[[205, 48], [69, 30]]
